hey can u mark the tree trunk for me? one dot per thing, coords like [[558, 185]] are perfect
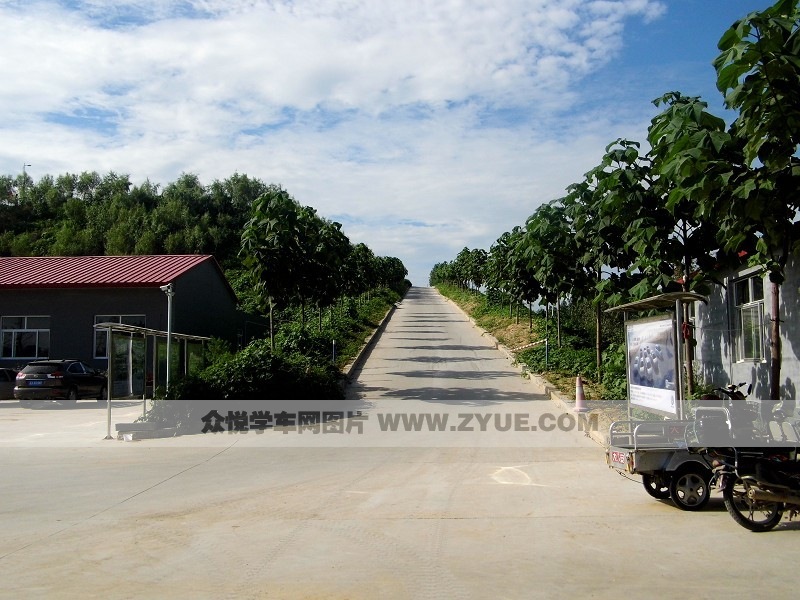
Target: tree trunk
[[530, 317], [598, 315], [271, 328], [558, 319], [775, 345], [688, 349], [546, 321]]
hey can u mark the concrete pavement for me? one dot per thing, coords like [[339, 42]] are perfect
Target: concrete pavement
[[486, 513]]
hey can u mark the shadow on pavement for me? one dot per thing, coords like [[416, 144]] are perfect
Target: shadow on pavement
[[465, 396]]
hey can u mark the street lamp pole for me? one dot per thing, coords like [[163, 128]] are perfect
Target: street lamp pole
[[167, 289]]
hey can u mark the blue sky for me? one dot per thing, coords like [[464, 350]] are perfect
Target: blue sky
[[422, 126]]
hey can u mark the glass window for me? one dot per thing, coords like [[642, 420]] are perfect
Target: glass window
[[13, 323], [751, 332], [8, 343], [101, 335], [749, 315], [742, 291], [101, 343], [758, 288], [135, 320], [43, 344], [25, 337], [37, 323], [26, 343]]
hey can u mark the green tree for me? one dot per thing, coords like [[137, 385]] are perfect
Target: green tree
[[693, 158], [360, 272], [758, 71], [271, 250], [391, 273], [526, 285], [500, 267], [321, 256]]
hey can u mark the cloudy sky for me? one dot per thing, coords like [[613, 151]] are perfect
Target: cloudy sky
[[423, 126]]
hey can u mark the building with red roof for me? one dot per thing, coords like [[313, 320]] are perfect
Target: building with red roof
[[49, 305]]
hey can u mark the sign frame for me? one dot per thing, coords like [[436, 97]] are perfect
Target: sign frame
[[652, 363]]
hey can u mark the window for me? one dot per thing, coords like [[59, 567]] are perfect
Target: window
[[101, 336], [25, 337], [748, 296]]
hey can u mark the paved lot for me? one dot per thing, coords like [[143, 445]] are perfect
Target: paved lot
[[50, 424], [489, 513]]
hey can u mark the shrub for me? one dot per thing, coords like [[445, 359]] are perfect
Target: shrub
[[614, 374], [292, 338], [256, 373], [566, 360]]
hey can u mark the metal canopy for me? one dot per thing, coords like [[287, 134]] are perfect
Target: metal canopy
[[661, 301], [147, 331], [144, 332]]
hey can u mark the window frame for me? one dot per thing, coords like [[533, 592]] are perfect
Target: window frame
[[750, 343], [39, 332]]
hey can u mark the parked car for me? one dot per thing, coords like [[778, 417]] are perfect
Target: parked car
[[7, 383], [59, 380]]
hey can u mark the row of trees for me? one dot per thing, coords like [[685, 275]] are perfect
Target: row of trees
[[276, 252], [89, 214], [293, 255], [702, 197]]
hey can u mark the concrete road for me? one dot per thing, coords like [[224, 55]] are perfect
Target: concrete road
[[435, 512]]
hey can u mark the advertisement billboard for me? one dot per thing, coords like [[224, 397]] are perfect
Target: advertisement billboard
[[651, 362]]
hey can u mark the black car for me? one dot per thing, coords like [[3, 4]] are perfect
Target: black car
[[59, 380]]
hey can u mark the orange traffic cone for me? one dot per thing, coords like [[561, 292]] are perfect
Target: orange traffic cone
[[580, 397]]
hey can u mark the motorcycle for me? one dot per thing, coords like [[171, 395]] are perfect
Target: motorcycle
[[754, 466], [728, 420], [758, 485]]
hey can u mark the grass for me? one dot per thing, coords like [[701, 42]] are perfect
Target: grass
[[514, 332]]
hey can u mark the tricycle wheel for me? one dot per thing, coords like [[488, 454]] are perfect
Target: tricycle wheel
[[689, 487], [654, 486]]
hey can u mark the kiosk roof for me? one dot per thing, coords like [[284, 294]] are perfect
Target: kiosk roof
[[667, 300]]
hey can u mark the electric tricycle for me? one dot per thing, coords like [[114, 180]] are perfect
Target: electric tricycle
[[657, 449]]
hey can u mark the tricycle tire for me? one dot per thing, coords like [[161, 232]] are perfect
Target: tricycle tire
[[689, 487], [654, 486]]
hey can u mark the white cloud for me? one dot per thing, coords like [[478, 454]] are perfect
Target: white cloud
[[437, 112]]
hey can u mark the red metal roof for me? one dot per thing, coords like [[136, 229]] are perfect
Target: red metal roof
[[95, 271]]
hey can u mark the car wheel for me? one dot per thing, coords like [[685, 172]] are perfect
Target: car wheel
[[72, 394], [103, 397]]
